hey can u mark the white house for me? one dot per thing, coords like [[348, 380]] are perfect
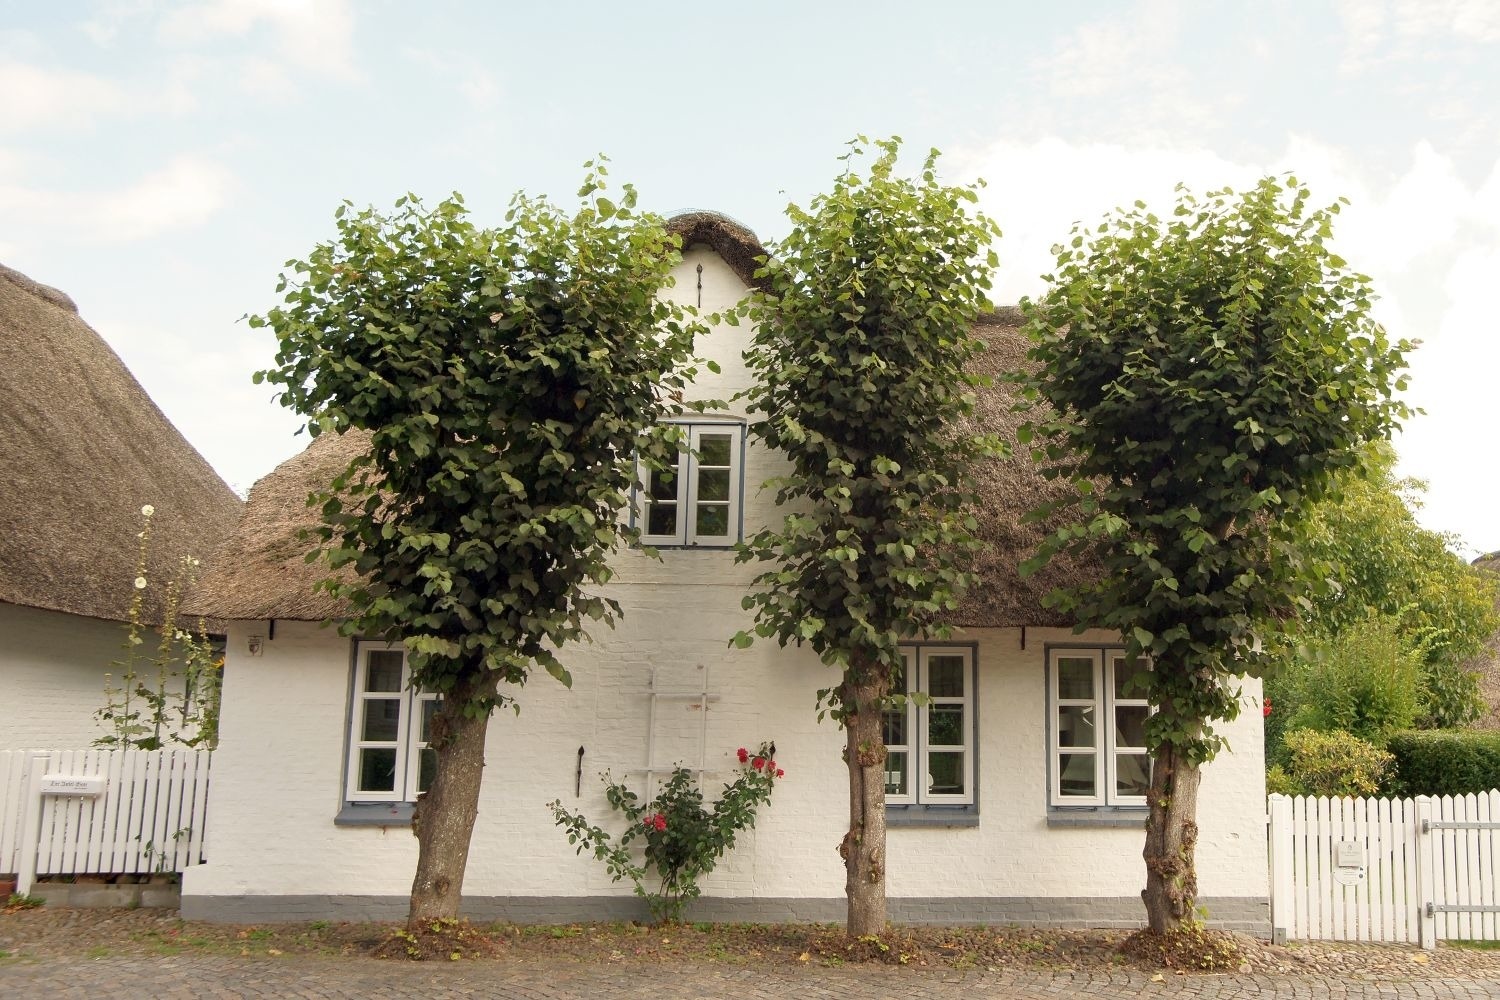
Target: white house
[[82, 449], [1015, 796]]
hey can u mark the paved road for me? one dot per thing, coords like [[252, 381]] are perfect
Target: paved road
[[194, 977]]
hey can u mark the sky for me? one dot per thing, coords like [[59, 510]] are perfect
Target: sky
[[161, 161]]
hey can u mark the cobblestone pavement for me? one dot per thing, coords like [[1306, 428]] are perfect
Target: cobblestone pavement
[[193, 977]]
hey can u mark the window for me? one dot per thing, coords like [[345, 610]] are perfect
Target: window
[[1098, 729], [697, 502], [929, 748], [389, 760]]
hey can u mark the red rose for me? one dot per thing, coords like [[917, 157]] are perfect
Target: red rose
[[744, 754], [661, 822], [780, 773], [758, 763], [1265, 709]]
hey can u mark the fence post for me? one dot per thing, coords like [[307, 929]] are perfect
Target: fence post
[[1283, 902], [31, 822], [1422, 834]]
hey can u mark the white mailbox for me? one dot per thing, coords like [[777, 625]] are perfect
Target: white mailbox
[[69, 784]]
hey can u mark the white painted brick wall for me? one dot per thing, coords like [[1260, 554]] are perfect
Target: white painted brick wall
[[52, 668], [278, 772]]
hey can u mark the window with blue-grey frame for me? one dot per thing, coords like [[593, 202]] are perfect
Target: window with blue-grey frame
[[1097, 729], [389, 759], [695, 502], [930, 750]]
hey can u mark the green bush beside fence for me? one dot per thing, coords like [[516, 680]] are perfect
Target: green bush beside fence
[[1444, 762]]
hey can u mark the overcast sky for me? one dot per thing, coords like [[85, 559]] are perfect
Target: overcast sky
[[159, 161]]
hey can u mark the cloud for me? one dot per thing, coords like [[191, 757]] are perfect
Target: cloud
[[61, 99], [318, 37], [471, 78], [183, 194], [1382, 31]]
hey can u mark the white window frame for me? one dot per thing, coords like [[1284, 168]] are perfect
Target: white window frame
[[1106, 753], [407, 744], [686, 500], [915, 660]]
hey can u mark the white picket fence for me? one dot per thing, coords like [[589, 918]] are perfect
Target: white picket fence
[[1414, 870], [118, 812]]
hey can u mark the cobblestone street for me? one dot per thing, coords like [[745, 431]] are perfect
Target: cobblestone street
[[192, 977]]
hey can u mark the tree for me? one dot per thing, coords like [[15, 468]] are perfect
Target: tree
[[505, 377], [859, 354], [1209, 375]]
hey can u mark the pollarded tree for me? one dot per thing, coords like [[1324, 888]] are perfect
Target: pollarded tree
[[860, 353], [505, 378], [1209, 376]]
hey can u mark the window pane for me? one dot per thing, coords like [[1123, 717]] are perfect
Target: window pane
[[426, 768], [661, 519], [377, 770], [1075, 677], [1132, 774], [893, 728], [713, 484], [945, 725], [429, 709], [663, 484], [382, 720], [1123, 675], [713, 449], [1075, 726], [945, 676], [713, 520], [895, 773], [945, 773], [384, 671], [1076, 773], [1130, 726]]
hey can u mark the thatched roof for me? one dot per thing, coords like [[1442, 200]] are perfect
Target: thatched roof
[[82, 449], [261, 572], [736, 244]]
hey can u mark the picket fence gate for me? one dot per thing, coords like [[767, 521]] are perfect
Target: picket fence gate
[[76, 812], [1414, 870]]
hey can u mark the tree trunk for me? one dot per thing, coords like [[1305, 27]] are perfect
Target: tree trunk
[[863, 847], [1171, 835], [445, 815]]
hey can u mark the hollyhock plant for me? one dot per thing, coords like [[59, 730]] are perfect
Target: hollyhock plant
[[684, 837]]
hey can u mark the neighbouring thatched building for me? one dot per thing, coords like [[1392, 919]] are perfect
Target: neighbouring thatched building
[[1487, 664], [82, 449], [1016, 794]]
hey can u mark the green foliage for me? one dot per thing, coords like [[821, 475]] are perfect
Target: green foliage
[[1365, 681], [683, 838], [1380, 558], [859, 356], [1208, 376], [1445, 762], [1450, 696], [506, 376], [18, 901], [169, 695], [1329, 763]]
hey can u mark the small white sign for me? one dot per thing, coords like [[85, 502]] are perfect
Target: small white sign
[[1348, 854], [66, 784]]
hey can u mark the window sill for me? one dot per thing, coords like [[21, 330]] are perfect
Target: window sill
[[919, 815], [1130, 817], [374, 814]]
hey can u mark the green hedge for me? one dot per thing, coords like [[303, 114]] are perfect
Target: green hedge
[[1444, 762]]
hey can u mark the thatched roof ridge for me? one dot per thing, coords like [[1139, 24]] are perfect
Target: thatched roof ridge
[[261, 572], [729, 239], [82, 449]]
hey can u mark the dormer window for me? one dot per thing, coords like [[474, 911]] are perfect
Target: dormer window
[[696, 502]]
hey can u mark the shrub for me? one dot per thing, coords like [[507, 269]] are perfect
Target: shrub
[[1444, 762], [1451, 697], [1366, 681], [683, 839], [1332, 763]]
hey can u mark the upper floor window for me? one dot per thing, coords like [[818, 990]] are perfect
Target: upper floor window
[[929, 748], [697, 500], [1098, 729], [389, 759]]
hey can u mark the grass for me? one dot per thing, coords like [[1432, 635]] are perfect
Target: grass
[[1472, 945]]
